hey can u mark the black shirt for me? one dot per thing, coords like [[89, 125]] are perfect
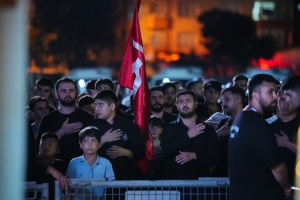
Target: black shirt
[[168, 117], [203, 112], [290, 129], [131, 140], [69, 144], [253, 152], [174, 138]]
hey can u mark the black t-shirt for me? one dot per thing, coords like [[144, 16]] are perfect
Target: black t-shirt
[[290, 129], [169, 117], [252, 153], [203, 112], [174, 138], [131, 140], [68, 144]]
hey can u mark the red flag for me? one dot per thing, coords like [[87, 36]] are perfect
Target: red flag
[[133, 76]]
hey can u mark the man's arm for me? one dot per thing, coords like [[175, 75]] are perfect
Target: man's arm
[[283, 141], [280, 174]]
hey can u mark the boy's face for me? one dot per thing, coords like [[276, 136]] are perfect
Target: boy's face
[[43, 91], [211, 95], [90, 145], [40, 109], [103, 110], [89, 108], [155, 131], [49, 147]]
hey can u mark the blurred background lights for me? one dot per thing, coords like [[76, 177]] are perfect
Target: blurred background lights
[[81, 83], [166, 80]]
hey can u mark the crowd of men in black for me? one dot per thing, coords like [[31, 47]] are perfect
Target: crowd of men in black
[[248, 136]]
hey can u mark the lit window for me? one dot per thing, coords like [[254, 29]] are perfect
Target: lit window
[[186, 39], [159, 39], [186, 8], [263, 10], [158, 7]]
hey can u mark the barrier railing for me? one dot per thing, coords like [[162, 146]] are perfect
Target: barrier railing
[[98, 189], [36, 191]]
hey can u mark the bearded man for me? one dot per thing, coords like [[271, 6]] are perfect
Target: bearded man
[[256, 169], [66, 121]]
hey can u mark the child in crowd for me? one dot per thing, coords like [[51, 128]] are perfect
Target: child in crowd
[[90, 165], [156, 166], [48, 148]]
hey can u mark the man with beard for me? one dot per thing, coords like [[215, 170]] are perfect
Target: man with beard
[[66, 121], [170, 92], [291, 88], [286, 133], [256, 170], [157, 99], [233, 99], [189, 145]]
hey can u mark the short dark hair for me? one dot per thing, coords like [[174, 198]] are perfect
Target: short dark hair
[[192, 82], [105, 81], [157, 88], [237, 91], [50, 135], [257, 80], [240, 77], [156, 121], [168, 85], [85, 100], [79, 96], [44, 81], [108, 96], [291, 83], [34, 100], [65, 80], [90, 84], [90, 131], [185, 92]]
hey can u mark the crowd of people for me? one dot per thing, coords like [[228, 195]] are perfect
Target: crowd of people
[[246, 132]]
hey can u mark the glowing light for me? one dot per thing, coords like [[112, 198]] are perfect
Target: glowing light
[[81, 83], [161, 55], [166, 80], [175, 56]]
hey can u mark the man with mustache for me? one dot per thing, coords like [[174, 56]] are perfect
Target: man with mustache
[[233, 99], [66, 121], [157, 99], [170, 92], [188, 145], [256, 169]]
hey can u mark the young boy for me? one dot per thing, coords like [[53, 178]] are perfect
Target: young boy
[[87, 103], [49, 147], [90, 165]]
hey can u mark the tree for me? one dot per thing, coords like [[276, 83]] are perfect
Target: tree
[[70, 29], [230, 37]]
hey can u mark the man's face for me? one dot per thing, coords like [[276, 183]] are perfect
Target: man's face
[[48, 147], [157, 99], [211, 95], [293, 97], [89, 108], [170, 96], [284, 107], [103, 87], [186, 106], [241, 83], [229, 103], [103, 110], [43, 91], [268, 97], [66, 94], [40, 109], [197, 89]]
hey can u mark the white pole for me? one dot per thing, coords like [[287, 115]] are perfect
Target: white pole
[[13, 61]]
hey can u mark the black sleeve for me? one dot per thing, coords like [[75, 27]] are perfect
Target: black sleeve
[[172, 140], [137, 145]]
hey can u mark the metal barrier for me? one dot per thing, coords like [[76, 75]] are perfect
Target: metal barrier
[[95, 189], [36, 191]]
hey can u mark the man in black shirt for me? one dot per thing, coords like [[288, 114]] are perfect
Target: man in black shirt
[[121, 143], [189, 145], [170, 93], [157, 99], [66, 121], [233, 99], [286, 133], [256, 170]]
